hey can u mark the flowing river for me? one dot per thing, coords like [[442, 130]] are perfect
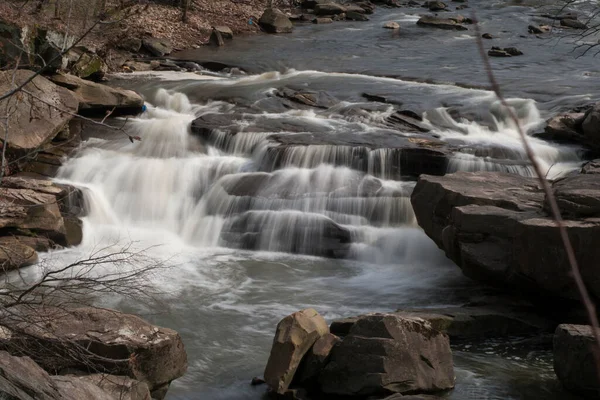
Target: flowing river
[[272, 206]]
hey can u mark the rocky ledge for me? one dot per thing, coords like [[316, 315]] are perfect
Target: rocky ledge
[[88, 353], [497, 229]]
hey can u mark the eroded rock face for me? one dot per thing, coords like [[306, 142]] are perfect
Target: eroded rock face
[[494, 227], [94, 97], [389, 353], [36, 119], [294, 337], [142, 351], [574, 360], [275, 21]]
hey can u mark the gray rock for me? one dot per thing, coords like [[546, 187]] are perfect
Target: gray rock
[[580, 125], [391, 25], [131, 44], [157, 47], [388, 353], [575, 361], [225, 31], [441, 23], [322, 21], [329, 9], [21, 378], [90, 66], [275, 21], [572, 23], [356, 16], [436, 5], [294, 337]]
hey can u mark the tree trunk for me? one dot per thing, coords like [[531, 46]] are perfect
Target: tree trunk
[[185, 5]]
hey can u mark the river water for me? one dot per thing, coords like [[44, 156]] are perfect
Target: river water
[[241, 220]]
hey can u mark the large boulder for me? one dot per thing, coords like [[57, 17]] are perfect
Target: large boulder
[[389, 353], [275, 21], [37, 118], [575, 355], [316, 359], [118, 387], [96, 98], [114, 343], [157, 47], [90, 66], [495, 228], [329, 9], [441, 23], [294, 337]]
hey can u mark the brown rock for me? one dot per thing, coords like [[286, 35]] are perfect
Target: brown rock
[[119, 387], [275, 21], [147, 353], [225, 31], [294, 337], [15, 254], [21, 378], [33, 122], [388, 353], [442, 23], [316, 358]]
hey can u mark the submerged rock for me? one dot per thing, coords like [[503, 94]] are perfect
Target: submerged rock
[[391, 25], [572, 23], [505, 52], [442, 23], [386, 353], [294, 337], [275, 21], [575, 361]]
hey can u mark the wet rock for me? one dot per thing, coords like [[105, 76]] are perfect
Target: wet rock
[[216, 39], [408, 121], [294, 337], [96, 98], [538, 30], [225, 31], [157, 47], [441, 23], [275, 21], [311, 98], [147, 353], [487, 36], [435, 5], [322, 21], [580, 126], [391, 25], [329, 9], [35, 122], [257, 381], [575, 361], [356, 16], [386, 353], [513, 51], [494, 227], [498, 52], [572, 23], [316, 359]]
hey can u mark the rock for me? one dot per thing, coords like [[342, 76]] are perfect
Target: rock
[[342, 326], [294, 337], [15, 254], [274, 21], [538, 30], [97, 98], [513, 51], [367, 6], [577, 126], [356, 16], [142, 351], [21, 378], [131, 44], [311, 98], [322, 21], [442, 23], [572, 23], [575, 361], [391, 25], [139, 66], [329, 9], [73, 388], [90, 66], [561, 16], [339, 17], [157, 47], [494, 227], [257, 381], [11, 43], [355, 8], [487, 36], [216, 39], [316, 359], [225, 31], [388, 353], [436, 5], [33, 122], [460, 19], [119, 387]]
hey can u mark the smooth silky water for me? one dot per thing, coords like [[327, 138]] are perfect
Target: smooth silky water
[[197, 206]]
